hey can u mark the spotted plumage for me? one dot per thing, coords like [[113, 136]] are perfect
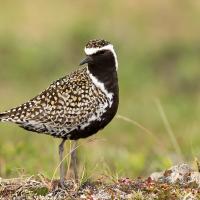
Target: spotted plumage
[[77, 105], [97, 43], [69, 104]]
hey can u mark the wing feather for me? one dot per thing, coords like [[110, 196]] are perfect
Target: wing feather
[[70, 102]]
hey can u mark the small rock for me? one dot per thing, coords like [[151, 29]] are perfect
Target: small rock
[[178, 173], [195, 177], [156, 176], [182, 169], [182, 174]]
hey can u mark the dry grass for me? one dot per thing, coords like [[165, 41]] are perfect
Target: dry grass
[[172, 184]]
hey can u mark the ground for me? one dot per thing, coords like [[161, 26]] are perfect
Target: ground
[[178, 182]]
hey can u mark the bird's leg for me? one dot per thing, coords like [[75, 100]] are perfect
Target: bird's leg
[[62, 173], [74, 160]]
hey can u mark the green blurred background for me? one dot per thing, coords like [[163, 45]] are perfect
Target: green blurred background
[[158, 48]]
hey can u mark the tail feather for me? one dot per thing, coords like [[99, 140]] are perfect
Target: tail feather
[[2, 116]]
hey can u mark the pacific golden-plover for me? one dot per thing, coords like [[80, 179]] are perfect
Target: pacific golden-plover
[[77, 105]]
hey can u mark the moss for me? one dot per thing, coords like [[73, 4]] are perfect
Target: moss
[[40, 191]]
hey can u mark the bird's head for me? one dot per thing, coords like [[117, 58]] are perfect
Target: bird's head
[[101, 52]]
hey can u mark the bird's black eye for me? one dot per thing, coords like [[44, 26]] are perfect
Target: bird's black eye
[[100, 52]]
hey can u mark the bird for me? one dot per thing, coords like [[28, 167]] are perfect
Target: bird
[[77, 105]]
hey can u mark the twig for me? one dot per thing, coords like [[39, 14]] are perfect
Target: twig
[[141, 127], [169, 129]]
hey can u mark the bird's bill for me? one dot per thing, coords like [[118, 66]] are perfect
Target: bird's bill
[[88, 59]]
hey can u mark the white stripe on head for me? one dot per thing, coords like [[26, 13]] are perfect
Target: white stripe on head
[[91, 51]]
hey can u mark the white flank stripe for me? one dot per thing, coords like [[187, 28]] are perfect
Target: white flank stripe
[[90, 51], [101, 86]]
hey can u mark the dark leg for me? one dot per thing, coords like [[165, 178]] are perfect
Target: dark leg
[[74, 160], [62, 173]]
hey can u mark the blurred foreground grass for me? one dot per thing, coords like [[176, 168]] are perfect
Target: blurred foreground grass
[[158, 48]]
